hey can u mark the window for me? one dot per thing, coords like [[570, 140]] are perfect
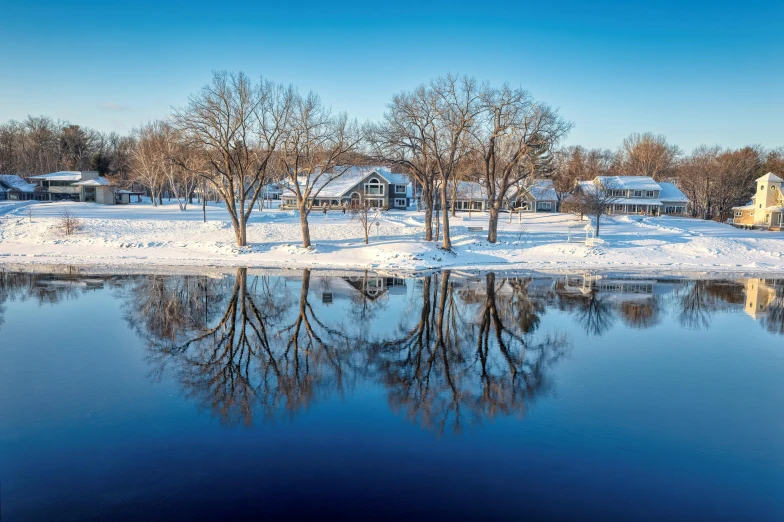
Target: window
[[649, 194], [638, 193], [544, 205], [374, 188], [400, 189], [400, 202]]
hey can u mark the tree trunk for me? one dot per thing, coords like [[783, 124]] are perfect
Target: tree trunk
[[428, 198], [446, 244], [598, 218], [492, 225], [240, 232], [303, 219]]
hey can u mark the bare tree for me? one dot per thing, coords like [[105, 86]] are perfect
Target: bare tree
[[68, 223], [403, 139], [365, 216], [456, 103], [147, 162], [315, 145], [237, 126], [510, 129], [592, 199], [649, 155]]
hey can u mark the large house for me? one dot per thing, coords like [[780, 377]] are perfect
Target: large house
[[377, 186], [638, 195], [766, 209], [85, 185]]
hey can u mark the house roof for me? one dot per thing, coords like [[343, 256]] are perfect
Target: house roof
[[628, 182], [14, 182], [750, 206], [100, 182], [470, 190], [65, 175], [543, 190], [775, 208], [770, 177], [341, 185], [671, 193]]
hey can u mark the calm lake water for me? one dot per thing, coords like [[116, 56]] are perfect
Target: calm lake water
[[257, 394]]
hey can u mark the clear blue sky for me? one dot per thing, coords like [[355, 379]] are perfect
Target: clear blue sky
[[700, 72]]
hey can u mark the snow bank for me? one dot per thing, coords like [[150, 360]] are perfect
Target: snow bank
[[140, 234]]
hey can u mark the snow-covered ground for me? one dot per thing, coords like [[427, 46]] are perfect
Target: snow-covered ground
[[140, 234]]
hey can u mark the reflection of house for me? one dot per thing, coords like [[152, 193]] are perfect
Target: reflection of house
[[638, 195], [760, 293], [376, 286], [622, 288], [766, 209], [376, 185]]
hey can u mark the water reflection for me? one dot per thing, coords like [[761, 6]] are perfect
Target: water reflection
[[451, 350]]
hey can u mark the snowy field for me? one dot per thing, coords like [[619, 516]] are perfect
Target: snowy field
[[140, 234]]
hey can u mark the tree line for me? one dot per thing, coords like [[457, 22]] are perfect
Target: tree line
[[237, 135]]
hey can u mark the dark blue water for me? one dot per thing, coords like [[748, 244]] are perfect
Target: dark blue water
[[305, 394]]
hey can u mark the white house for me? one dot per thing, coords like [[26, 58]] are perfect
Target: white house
[[640, 195]]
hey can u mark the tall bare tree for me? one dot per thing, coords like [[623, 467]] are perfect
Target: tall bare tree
[[403, 138], [315, 147], [510, 129], [237, 126], [148, 164]]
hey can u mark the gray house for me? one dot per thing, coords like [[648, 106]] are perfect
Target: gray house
[[375, 185], [538, 196]]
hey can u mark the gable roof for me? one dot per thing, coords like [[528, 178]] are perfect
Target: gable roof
[[14, 182], [671, 193], [339, 186], [543, 190], [771, 177], [628, 182]]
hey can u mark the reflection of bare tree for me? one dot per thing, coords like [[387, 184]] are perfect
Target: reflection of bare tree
[[260, 354], [594, 312], [641, 314], [773, 321], [701, 299], [447, 370]]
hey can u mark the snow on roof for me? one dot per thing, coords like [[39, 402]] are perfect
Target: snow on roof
[[775, 208], [750, 206], [543, 190], [770, 177], [628, 182], [469, 190], [671, 193], [12, 181], [65, 175], [394, 177], [338, 186], [100, 182]]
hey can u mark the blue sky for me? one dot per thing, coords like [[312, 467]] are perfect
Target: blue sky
[[698, 72]]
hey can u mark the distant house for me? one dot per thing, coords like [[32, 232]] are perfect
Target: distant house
[[86, 185], [375, 185], [639, 195], [467, 195], [766, 209], [539, 196], [14, 188]]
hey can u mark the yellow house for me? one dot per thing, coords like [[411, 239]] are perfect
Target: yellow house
[[766, 209]]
